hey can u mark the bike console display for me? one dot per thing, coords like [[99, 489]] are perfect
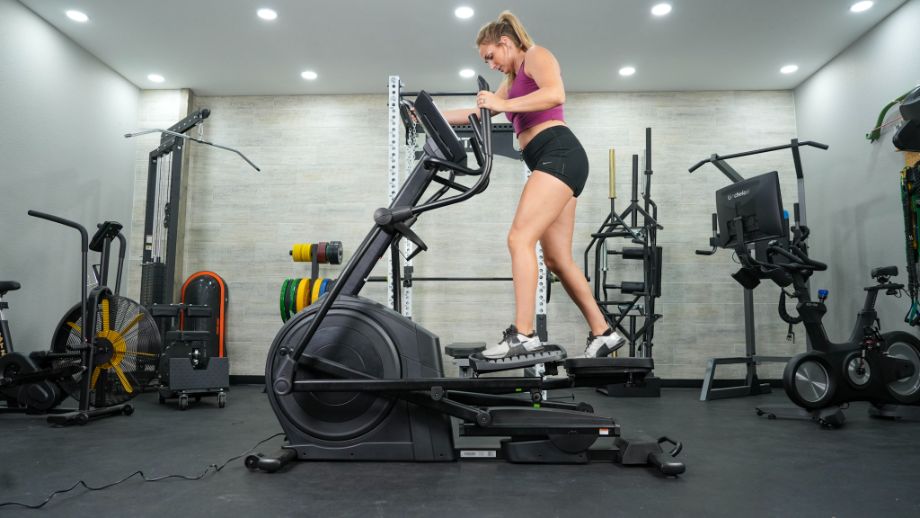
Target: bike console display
[[750, 210]]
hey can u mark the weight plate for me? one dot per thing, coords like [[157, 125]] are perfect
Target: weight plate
[[302, 290], [321, 252], [335, 253], [289, 299], [284, 286], [315, 291]]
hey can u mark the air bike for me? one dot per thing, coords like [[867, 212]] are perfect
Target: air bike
[[351, 379]]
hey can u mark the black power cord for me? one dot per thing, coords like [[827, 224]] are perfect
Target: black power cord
[[204, 473]]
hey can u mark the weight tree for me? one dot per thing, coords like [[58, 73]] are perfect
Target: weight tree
[[636, 299]]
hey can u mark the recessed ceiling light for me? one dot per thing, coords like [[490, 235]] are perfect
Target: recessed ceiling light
[[661, 9], [467, 73], [627, 71], [859, 7], [77, 16], [789, 69], [309, 75], [267, 14], [156, 78], [463, 12]]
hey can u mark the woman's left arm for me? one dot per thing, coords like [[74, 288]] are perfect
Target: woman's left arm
[[542, 66]]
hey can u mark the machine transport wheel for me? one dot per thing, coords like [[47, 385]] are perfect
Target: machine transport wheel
[[160, 399], [221, 400], [808, 382], [183, 402], [573, 443], [128, 410], [584, 407], [252, 461]]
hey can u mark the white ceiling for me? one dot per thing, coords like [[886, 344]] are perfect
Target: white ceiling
[[220, 47]]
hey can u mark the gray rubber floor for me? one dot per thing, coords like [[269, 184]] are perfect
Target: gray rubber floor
[[737, 465]]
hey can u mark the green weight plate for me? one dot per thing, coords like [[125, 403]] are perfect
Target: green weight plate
[[284, 286]]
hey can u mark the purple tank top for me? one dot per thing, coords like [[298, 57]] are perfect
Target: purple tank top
[[522, 86]]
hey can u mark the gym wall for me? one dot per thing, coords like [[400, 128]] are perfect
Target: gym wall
[[324, 161], [854, 194], [61, 151]]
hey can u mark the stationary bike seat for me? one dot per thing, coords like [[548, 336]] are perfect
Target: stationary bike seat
[[6, 286]]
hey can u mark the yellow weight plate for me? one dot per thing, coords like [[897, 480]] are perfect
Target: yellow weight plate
[[302, 290], [316, 286]]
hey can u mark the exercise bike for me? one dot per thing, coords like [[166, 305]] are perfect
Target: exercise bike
[[351, 379], [103, 352], [881, 368], [26, 385]]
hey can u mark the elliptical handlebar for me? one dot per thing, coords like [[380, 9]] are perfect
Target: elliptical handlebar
[[482, 138]]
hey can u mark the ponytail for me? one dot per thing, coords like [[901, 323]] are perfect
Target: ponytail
[[508, 25]]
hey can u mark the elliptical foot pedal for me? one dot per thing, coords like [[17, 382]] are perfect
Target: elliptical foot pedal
[[462, 350], [600, 372], [550, 354]]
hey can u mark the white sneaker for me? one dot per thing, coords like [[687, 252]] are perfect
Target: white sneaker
[[513, 343], [603, 345]]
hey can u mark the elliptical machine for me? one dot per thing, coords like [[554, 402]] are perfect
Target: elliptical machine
[[881, 368], [351, 379]]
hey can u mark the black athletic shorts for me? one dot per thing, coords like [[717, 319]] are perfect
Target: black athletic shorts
[[556, 151]]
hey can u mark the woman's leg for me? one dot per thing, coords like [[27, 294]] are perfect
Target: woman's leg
[[542, 201], [557, 252]]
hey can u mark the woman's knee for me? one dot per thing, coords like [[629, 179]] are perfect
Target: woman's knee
[[551, 263], [518, 239], [556, 263]]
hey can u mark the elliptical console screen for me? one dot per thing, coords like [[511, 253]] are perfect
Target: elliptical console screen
[[437, 128]]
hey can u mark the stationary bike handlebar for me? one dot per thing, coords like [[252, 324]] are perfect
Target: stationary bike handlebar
[[757, 152], [800, 262]]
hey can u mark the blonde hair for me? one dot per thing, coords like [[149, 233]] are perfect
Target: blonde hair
[[508, 25]]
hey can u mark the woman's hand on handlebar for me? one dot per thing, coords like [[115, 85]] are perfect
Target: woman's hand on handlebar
[[491, 101]]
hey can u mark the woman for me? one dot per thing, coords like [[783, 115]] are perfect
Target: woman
[[532, 96]]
